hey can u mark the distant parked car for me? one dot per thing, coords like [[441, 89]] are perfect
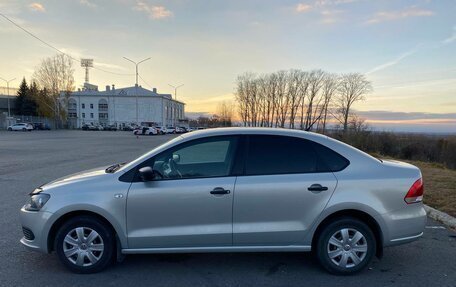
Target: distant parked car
[[41, 126], [170, 130], [181, 130], [129, 128], [21, 127], [89, 127], [110, 128], [160, 130], [147, 131]]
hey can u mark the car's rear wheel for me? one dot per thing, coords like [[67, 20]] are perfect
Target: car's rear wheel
[[10, 129], [345, 246], [85, 245]]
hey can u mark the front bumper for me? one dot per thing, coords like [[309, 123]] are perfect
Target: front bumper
[[38, 223]]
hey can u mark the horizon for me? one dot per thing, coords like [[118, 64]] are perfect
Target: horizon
[[405, 48]]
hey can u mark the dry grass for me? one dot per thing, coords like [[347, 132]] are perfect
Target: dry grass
[[439, 186]]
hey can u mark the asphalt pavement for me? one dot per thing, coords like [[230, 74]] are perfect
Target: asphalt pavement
[[29, 159]]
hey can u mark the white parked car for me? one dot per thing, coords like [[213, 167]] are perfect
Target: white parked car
[[21, 127], [170, 130], [148, 131]]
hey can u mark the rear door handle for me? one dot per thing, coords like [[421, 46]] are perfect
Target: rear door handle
[[317, 187], [220, 190]]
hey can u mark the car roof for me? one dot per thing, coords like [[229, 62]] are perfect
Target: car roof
[[250, 130]]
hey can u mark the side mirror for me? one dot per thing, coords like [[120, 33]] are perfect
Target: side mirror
[[176, 158], [146, 173]]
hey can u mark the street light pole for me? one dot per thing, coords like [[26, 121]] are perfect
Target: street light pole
[[136, 84], [175, 90], [8, 99]]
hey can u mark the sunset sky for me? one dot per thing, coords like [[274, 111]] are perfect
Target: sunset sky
[[406, 48]]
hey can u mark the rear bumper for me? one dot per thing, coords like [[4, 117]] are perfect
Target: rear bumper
[[404, 225]]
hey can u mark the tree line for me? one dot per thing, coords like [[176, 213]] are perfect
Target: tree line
[[297, 99]]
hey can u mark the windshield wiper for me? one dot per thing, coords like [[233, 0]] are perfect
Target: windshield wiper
[[114, 167]]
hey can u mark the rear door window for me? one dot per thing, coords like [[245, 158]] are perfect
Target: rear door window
[[269, 154]]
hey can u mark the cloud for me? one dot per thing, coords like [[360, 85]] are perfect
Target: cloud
[[107, 65], [412, 11], [326, 8], [393, 62], [403, 116], [35, 6], [450, 39], [333, 2], [154, 12], [302, 8], [88, 3]]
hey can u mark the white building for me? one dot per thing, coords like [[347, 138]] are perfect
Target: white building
[[122, 107]]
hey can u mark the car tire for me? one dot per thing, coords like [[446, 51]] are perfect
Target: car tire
[[10, 129], [88, 257], [336, 250], [24, 129]]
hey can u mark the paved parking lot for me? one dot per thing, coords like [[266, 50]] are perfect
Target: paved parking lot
[[30, 159]]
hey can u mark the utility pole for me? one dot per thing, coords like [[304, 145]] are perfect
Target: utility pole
[[175, 90], [136, 85], [7, 91]]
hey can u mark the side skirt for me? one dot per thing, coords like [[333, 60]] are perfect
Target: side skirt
[[288, 248]]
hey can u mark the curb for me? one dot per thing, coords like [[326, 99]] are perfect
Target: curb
[[442, 217]]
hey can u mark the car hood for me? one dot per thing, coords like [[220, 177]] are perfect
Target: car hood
[[87, 175]]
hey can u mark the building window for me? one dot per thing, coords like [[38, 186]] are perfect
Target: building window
[[102, 105], [91, 106], [83, 106], [83, 115], [72, 115], [103, 116], [72, 104], [91, 115]]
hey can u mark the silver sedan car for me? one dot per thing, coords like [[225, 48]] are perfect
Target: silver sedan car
[[231, 190]]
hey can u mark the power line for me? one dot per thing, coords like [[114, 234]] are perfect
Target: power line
[[145, 82], [56, 49]]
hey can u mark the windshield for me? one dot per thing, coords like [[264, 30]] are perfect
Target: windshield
[[148, 154]]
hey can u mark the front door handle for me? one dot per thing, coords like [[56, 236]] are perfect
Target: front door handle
[[317, 187], [220, 190]]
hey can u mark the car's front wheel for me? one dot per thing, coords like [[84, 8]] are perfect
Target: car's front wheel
[[85, 245], [345, 246]]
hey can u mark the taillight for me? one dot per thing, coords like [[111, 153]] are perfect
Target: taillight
[[415, 193]]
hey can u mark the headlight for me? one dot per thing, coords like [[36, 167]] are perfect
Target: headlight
[[37, 201]]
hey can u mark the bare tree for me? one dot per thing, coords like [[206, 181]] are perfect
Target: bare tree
[[314, 111], [295, 80], [55, 75], [282, 99], [352, 88], [242, 96], [329, 89], [225, 111]]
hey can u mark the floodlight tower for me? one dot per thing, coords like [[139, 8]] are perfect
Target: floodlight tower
[[87, 63]]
